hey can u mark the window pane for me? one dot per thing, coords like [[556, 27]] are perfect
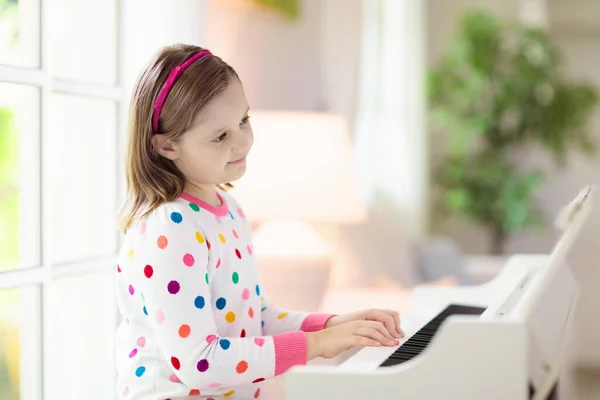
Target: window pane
[[81, 151], [19, 32], [20, 343], [19, 176], [83, 40], [82, 334]]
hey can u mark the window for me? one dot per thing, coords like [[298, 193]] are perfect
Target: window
[[61, 102]]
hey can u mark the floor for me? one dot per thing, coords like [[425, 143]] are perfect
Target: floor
[[585, 386]]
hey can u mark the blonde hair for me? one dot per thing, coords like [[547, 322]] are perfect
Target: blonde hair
[[152, 179]]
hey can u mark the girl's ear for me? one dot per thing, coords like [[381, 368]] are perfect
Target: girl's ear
[[166, 147]]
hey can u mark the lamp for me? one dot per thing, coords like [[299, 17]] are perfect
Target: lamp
[[300, 173]]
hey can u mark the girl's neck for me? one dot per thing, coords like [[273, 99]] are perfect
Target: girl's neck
[[207, 193]]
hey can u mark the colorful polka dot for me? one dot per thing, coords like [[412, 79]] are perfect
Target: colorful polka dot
[[243, 334], [208, 244], [160, 317], [238, 254], [229, 394], [133, 353], [131, 254], [235, 278], [224, 343], [175, 363], [257, 290], [194, 392], [199, 302], [141, 341], [184, 331], [259, 341], [126, 391], [221, 303], [245, 294], [142, 296], [218, 263], [210, 338], [206, 278], [118, 268], [251, 312], [176, 217], [145, 311], [200, 238], [282, 315], [174, 378], [143, 227], [194, 207], [173, 287], [188, 259], [140, 371], [214, 385], [231, 215], [263, 309], [131, 291], [222, 238], [162, 242], [241, 367], [257, 393], [262, 324], [202, 365], [258, 380], [241, 213], [148, 271], [235, 234], [249, 249], [230, 317], [218, 219]]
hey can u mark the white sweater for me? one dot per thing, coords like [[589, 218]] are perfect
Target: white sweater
[[195, 319]]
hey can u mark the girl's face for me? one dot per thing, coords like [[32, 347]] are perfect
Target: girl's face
[[214, 150]]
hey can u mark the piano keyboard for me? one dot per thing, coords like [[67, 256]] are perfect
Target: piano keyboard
[[420, 340]]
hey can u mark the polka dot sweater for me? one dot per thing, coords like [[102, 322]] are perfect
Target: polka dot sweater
[[196, 321]]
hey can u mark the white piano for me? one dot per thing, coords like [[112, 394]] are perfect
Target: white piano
[[501, 340]]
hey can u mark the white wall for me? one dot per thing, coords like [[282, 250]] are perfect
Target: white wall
[[278, 60], [150, 25]]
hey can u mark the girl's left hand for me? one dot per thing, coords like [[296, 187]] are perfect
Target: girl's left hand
[[390, 319]]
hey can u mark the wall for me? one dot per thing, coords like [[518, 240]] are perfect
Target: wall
[[575, 29], [278, 60]]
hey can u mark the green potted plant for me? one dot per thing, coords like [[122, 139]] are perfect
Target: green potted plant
[[498, 90]]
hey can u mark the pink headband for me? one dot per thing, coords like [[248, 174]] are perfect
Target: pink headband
[[164, 92]]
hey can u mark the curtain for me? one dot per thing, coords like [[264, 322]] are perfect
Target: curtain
[[390, 130]]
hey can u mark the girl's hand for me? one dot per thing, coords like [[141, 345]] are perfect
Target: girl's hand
[[331, 341], [390, 319]]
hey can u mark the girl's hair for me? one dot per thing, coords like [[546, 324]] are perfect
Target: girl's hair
[[152, 179]]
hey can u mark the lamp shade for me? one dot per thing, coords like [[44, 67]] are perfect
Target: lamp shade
[[301, 167]]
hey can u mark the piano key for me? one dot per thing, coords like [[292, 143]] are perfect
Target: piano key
[[421, 339]]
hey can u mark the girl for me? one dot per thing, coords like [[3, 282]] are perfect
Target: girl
[[196, 321]]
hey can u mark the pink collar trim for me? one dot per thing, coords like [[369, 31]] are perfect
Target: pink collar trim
[[220, 211]]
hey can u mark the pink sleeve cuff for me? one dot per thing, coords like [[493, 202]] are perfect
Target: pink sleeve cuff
[[290, 350], [315, 322]]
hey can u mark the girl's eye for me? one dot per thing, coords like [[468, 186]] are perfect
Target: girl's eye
[[245, 120], [221, 138]]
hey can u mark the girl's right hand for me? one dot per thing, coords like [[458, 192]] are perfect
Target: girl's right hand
[[330, 342]]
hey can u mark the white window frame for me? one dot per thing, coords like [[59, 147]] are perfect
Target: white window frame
[[44, 274]]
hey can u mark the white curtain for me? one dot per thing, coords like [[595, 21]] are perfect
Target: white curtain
[[390, 128]]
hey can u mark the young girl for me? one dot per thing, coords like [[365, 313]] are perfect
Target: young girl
[[196, 321]]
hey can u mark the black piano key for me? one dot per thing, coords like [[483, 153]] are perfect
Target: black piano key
[[421, 339]]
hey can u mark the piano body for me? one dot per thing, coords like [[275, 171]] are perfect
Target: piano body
[[505, 339]]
